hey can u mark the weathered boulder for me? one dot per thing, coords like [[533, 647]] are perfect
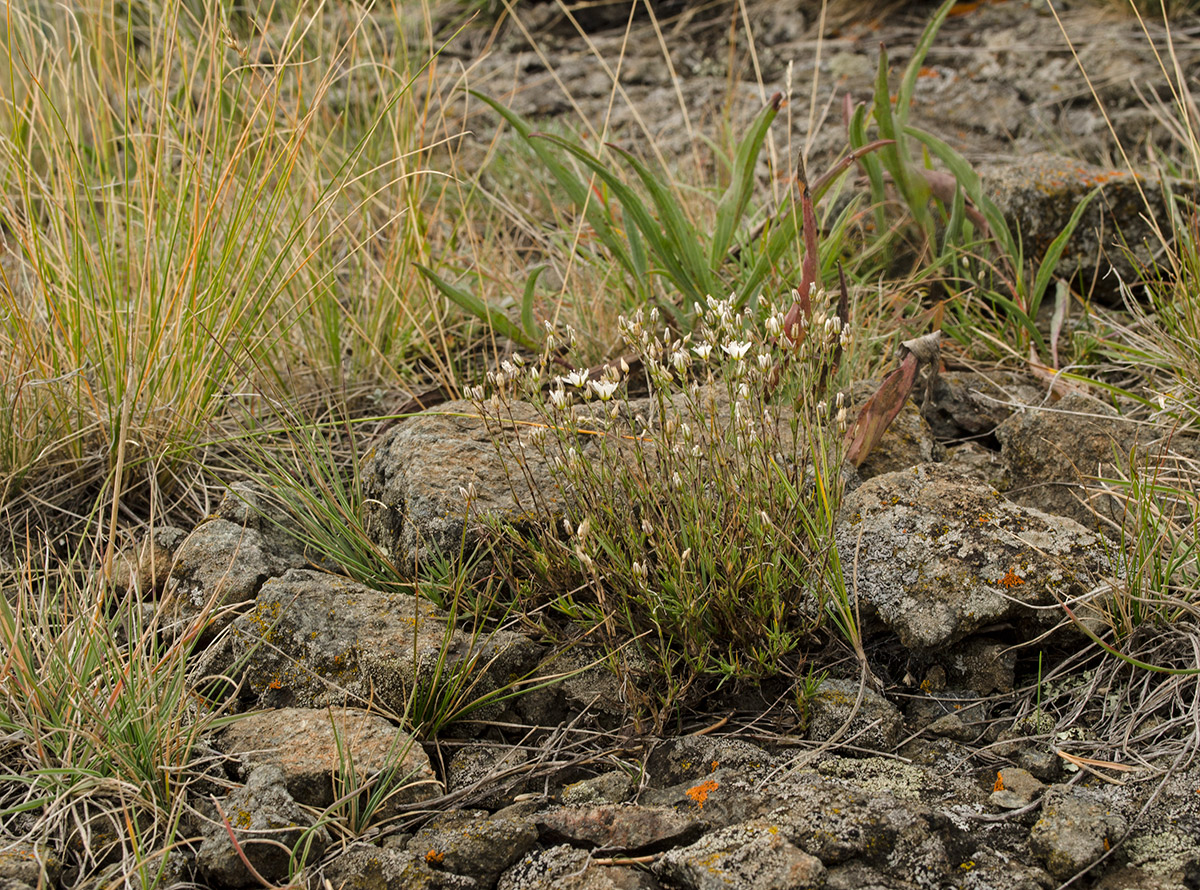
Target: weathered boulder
[[1054, 454], [268, 825], [473, 844], [314, 640], [835, 712], [752, 854], [937, 555], [320, 751], [1073, 832], [413, 479], [617, 827]]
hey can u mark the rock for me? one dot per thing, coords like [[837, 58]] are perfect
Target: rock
[[621, 828], [694, 758], [35, 865], [222, 564], [315, 640], [147, 567], [568, 868], [970, 404], [611, 787], [835, 711], [983, 665], [471, 844], [1037, 194], [1073, 832], [1018, 787], [372, 868], [414, 511], [319, 750], [268, 824], [937, 555], [752, 854], [1055, 453], [480, 769]]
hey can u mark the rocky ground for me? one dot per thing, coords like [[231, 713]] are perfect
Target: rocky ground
[[951, 762]]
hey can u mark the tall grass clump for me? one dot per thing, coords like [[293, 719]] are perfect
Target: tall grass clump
[[197, 209], [100, 718]]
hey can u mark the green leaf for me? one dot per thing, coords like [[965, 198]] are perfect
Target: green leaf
[[527, 321], [578, 191], [1055, 251], [741, 186], [681, 235], [494, 318], [908, 83]]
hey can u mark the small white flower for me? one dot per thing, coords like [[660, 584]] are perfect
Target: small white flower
[[474, 393], [604, 388], [508, 368], [774, 325], [679, 359], [703, 350], [584, 527], [743, 390], [575, 378], [647, 527], [676, 480], [841, 419], [558, 397], [764, 361], [736, 350]]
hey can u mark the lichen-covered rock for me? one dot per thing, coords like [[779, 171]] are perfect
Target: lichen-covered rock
[[752, 854], [618, 827], [366, 867], [268, 824], [569, 868], [835, 710], [693, 758], [318, 751], [937, 555], [1073, 831], [414, 510], [315, 639], [472, 844], [35, 865], [1037, 193], [1054, 455]]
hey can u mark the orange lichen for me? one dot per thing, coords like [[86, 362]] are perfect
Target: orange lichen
[[700, 793], [434, 857], [999, 786], [1011, 579]]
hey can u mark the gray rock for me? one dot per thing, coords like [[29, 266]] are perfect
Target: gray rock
[[269, 826], [315, 640], [223, 564], [695, 758], [482, 768], [471, 844], [874, 723], [414, 511], [318, 751], [1038, 193], [626, 828], [610, 787], [968, 404], [1054, 454], [36, 865], [1073, 831], [372, 868], [569, 868], [750, 855], [937, 555], [1018, 785]]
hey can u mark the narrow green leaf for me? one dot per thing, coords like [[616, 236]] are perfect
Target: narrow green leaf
[[578, 191], [496, 319], [639, 215], [1055, 251], [871, 164], [682, 235], [908, 83], [741, 186], [527, 321]]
